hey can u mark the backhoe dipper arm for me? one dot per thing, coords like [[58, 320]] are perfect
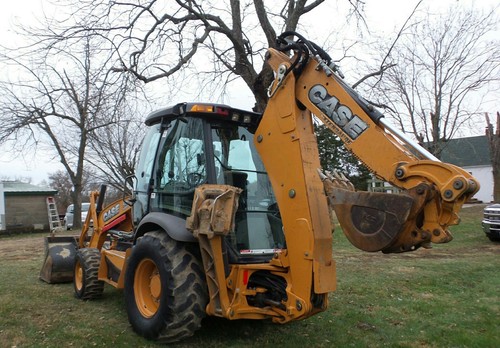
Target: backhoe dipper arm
[[433, 192]]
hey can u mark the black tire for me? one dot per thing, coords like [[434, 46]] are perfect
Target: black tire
[[85, 281], [165, 289], [494, 239]]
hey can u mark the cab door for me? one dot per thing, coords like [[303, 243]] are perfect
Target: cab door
[[144, 172], [180, 167]]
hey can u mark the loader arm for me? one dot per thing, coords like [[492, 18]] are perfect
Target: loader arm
[[433, 192]]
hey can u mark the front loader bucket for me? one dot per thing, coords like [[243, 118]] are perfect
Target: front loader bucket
[[60, 253]]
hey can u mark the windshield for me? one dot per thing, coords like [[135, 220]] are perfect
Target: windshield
[[237, 163]]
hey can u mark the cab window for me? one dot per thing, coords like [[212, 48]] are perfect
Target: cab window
[[180, 166]]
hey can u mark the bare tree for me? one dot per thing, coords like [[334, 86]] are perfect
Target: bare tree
[[61, 182], [24, 179], [60, 99], [151, 40], [217, 40], [494, 142], [438, 67], [115, 150]]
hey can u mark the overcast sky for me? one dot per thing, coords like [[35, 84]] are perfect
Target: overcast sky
[[382, 16]]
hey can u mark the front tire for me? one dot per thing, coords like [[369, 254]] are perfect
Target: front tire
[[493, 239], [85, 279], [165, 290]]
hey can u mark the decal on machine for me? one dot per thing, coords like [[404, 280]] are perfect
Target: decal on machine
[[340, 114], [112, 212]]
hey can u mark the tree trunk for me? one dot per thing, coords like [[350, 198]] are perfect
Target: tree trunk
[[77, 206], [494, 142], [496, 185], [260, 87]]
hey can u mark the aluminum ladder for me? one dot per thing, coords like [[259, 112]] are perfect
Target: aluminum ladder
[[54, 221]]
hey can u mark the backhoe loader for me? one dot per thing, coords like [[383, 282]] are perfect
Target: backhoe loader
[[230, 215]]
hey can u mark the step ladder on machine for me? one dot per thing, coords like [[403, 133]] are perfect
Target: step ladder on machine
[[54, 221]]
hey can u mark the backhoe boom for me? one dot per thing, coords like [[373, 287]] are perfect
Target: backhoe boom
[[433, 192]]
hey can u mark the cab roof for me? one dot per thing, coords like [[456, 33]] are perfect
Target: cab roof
[[209, 110]]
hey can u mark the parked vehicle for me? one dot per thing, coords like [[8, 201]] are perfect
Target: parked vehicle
[[68, 218], [491, 222]]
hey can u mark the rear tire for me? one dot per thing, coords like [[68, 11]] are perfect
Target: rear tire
[[85, 281], [165, 289]]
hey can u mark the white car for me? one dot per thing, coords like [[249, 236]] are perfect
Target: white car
[[491, 222], [68, 218]]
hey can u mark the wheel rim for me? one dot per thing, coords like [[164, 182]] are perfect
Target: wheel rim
[[78, 276], [147, 288]]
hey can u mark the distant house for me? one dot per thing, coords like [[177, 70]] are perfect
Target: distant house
[[23, 207], [473, 155]]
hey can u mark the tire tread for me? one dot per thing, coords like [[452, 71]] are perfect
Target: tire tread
[[92, 287], [187, 296]]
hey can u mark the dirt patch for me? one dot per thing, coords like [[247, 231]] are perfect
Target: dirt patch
[[443, 252], [21, 248], [437, 252]]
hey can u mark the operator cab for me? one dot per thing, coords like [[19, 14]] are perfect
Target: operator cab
[[190, 144]]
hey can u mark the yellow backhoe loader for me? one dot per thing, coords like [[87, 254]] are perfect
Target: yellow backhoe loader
[[230, 213]]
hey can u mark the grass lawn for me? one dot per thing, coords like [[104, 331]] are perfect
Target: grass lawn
[[447, 296]]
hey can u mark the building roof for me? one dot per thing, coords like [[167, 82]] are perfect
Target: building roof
[[467, 152], [17, 188]]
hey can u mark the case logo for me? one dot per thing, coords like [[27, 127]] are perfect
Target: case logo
[[112, 212], [340, 114]]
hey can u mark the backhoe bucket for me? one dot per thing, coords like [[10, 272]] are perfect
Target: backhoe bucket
[[372, 221], [375, 221], [60, 253]]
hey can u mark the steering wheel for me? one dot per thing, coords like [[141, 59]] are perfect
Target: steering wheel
[[194, 179]]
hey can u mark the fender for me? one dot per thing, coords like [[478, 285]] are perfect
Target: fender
[[173, 225]]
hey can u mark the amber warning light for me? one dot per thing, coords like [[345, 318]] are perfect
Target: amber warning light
[[210, 108]]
